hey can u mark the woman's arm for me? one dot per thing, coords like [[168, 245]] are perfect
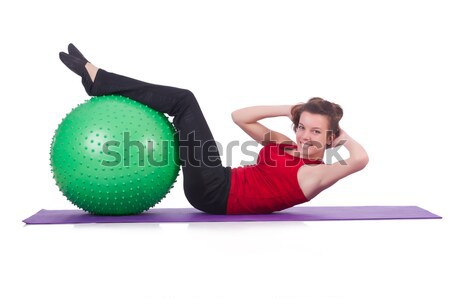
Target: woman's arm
[[357, 153], [358, 159], [316, 178], [247, 119], [255, 113]]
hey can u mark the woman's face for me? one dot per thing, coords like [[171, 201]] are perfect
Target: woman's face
[[311, 135]]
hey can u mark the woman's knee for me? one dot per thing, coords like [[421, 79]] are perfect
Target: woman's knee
[[188, 98]]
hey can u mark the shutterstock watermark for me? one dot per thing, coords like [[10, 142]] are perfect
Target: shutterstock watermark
[[197, 152]]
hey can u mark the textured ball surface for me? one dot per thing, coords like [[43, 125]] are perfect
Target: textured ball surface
[[114, 156]]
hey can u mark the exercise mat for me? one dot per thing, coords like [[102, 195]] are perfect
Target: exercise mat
[[161, 215]]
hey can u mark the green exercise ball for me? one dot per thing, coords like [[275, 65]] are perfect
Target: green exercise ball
[[114, 156]]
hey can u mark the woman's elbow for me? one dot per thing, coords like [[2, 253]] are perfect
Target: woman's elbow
[[363, 161], [235, 116], [238, 117]]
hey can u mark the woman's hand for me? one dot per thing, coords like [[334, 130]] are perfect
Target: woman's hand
[[288, 111], [343, 137]]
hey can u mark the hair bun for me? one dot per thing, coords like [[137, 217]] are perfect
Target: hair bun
[[338, 110]]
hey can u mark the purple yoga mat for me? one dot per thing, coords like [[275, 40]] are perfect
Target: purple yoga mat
[[159, 215]]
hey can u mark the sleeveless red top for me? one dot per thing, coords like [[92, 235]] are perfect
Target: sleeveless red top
[[269, 185]]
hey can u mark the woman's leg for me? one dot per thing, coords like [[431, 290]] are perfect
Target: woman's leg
[[206, 181]]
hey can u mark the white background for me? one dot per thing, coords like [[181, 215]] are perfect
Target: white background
[[385, 62]]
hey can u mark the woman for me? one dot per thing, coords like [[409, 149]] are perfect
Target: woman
[[280, 179]]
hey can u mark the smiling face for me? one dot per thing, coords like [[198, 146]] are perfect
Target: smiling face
[[311, 135]]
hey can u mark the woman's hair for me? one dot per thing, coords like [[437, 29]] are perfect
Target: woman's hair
[[317, 105]]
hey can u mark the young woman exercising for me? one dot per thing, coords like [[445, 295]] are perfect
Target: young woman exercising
[[277, 181]]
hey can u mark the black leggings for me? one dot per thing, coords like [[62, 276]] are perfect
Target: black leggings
[[206, 182]]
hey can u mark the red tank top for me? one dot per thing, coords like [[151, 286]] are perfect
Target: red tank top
[[269, 185]]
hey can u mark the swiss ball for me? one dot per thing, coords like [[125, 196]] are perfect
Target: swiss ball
[[114, 156]]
